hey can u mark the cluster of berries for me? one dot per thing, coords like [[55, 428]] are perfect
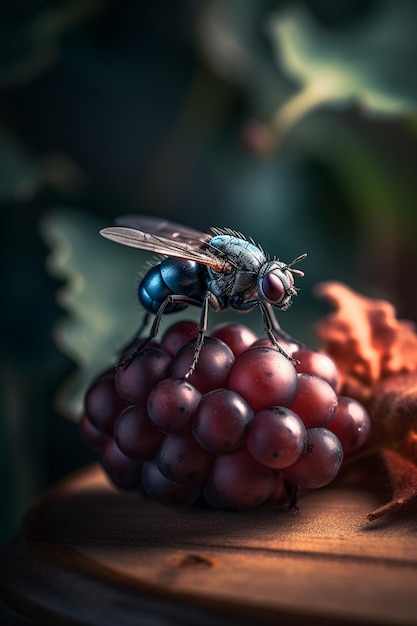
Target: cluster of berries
[[247, 427]]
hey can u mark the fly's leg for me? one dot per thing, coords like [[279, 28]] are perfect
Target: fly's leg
[[155, 325], [277, 330], [139, 332], [132, 356], [144, 324], [293, 498], [201, 333], [268, 319]]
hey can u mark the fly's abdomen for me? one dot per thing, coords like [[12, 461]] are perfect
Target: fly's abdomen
[[172, 277]]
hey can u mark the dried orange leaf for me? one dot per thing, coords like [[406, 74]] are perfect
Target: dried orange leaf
[[366, 339], [403, 476], [377, 359]]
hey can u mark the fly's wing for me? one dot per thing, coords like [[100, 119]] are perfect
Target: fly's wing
[[175, 247], [164, 228]]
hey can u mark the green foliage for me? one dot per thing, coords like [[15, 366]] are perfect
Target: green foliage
[[30, 34], [19, 170], [367, 61], [98, 297]]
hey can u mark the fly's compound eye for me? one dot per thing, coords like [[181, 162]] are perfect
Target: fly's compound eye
[[273, 288]]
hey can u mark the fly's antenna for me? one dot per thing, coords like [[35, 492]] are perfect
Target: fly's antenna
[[297, 260]]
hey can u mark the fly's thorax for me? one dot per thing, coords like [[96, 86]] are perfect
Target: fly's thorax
[[245, 258], [276, 284], [240, 253]]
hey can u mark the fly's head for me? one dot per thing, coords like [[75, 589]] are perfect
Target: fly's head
[[276, 282]]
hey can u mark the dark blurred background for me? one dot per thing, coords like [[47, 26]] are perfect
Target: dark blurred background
[[173, 109]]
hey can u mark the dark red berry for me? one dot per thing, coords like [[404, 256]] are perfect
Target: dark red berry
[[135, 380], [213, 367], [264, 377]]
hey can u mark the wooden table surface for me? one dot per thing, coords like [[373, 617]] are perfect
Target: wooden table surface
[[89, 554]]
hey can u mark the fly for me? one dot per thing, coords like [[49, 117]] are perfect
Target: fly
[[219, 270]]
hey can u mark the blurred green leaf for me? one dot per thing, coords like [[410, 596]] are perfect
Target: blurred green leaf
[[19, 171], [24, 175], [376, 191], [30, 34], [98, 297], [369, 61], [232, 38]]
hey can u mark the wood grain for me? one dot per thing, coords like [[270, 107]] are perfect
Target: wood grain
[[89, 554]]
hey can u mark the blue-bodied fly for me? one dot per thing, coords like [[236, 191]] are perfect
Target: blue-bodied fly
[[222, 270]]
